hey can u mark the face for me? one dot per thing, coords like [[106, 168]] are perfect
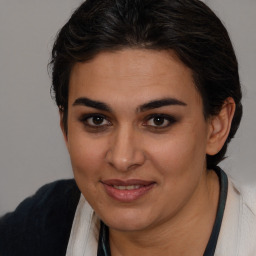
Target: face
[[137, 137]]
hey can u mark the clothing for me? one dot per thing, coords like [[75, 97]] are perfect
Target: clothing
[[238, 232], [41, 225]]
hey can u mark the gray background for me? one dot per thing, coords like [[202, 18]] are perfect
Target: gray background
[[32, 151]]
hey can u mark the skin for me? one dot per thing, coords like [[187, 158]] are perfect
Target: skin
[[125, 142]]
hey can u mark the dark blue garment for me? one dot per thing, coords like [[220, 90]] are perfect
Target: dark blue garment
[[223, 179], [41, 224]]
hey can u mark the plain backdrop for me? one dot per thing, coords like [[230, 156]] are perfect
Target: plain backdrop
[[32, 151]]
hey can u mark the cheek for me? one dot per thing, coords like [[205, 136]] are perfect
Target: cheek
[[87, 159], [87, 156], [180, 153], [180, 161]]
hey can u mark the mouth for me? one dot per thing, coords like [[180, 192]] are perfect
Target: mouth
[[131, 187], [128, 190]]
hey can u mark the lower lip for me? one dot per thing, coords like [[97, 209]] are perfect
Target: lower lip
[[127, 196]]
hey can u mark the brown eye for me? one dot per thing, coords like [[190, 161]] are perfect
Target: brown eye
[[95, 120], [160, 121]]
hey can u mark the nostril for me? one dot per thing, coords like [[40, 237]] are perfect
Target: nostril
[[124, 153], [134, 166]]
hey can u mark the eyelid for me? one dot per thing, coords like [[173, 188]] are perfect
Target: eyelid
[[171, 119], [85, 117]]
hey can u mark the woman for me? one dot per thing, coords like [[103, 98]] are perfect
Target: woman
[[149, 98]]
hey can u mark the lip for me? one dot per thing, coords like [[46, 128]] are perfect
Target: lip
[[125, 195]]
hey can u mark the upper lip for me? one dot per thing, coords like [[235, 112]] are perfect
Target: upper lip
[[130, 182]]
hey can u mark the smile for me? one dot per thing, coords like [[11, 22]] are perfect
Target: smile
[[127, 191], [127, 187]]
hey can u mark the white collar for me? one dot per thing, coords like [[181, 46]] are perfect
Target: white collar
[[237, 234], [84, 234]]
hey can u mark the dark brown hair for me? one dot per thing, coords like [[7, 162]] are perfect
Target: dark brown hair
[[188, 27]]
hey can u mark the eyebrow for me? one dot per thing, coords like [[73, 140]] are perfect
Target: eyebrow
[[147, 106], [160, 103], [92, 103]]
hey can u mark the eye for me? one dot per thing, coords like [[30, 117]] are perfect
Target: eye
[[95, 120], [159, 121]]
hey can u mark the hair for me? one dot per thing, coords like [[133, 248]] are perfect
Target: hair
[[188, 27]]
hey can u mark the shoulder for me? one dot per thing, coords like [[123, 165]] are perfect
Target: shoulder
[[247, 192], [42, 222], [247, 218], [238, 231]]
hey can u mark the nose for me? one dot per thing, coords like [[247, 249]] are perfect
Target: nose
[[125, 152]]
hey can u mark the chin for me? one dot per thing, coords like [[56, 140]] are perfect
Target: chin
[[127, 220]]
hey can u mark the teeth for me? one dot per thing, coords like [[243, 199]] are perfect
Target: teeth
[[127, 187]]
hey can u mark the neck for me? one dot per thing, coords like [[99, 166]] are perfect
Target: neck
[[186, 233]]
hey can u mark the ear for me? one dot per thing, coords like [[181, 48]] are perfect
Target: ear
[[219, 127], [62, 126]]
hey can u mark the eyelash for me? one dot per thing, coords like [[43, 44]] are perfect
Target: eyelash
[[166, 118], [85, 119]]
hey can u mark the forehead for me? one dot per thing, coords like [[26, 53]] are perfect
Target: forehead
[[132, 74]]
